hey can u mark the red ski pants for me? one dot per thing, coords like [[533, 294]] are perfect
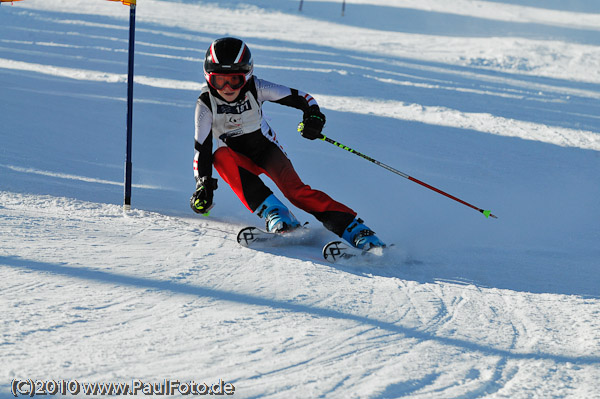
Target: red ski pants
[[241, 174]]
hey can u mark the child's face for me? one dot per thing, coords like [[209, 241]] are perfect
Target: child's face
[[227, 85], [228, 93]]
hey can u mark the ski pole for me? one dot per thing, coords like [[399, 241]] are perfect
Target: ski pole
[[376, 162]]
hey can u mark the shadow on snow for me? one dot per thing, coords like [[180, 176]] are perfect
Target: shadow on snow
[[187, 289]]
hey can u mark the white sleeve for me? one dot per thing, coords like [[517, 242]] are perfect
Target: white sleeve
[[203, 121], [268, 91], [203, 143]]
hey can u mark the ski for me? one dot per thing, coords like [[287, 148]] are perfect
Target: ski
[[251, 236], [335, 251]]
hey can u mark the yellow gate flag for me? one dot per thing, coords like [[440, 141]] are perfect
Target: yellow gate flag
[[126, 2]]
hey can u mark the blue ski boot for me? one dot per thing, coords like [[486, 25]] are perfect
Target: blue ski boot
[[360, 236], [277, 216]]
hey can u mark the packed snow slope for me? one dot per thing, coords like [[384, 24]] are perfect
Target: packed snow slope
[[496, 102]]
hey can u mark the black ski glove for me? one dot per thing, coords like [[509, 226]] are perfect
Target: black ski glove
[[202, 199], [312, 123]]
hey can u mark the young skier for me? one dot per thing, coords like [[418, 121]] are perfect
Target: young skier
[[229, 114]]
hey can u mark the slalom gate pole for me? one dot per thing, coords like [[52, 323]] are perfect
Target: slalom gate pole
[[486, 213], [128, 164]]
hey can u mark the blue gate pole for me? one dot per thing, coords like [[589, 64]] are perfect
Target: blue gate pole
[[128, 164]]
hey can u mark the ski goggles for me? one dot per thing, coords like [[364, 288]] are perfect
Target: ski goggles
[[233, 80]]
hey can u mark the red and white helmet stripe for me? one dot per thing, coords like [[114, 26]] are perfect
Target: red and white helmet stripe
[[240, 55], [213, 53], [238, 58]]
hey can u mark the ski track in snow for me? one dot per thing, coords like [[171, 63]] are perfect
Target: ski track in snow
[[376, 328], [486, 123], [93, 294], [483, 122]]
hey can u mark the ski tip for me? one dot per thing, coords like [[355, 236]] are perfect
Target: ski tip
[[248, 235], [489, 214], [336, 250]]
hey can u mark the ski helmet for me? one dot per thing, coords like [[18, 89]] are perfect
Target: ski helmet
[[228, 56]]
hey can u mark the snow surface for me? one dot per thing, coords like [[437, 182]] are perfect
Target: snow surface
[[495, 102]]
